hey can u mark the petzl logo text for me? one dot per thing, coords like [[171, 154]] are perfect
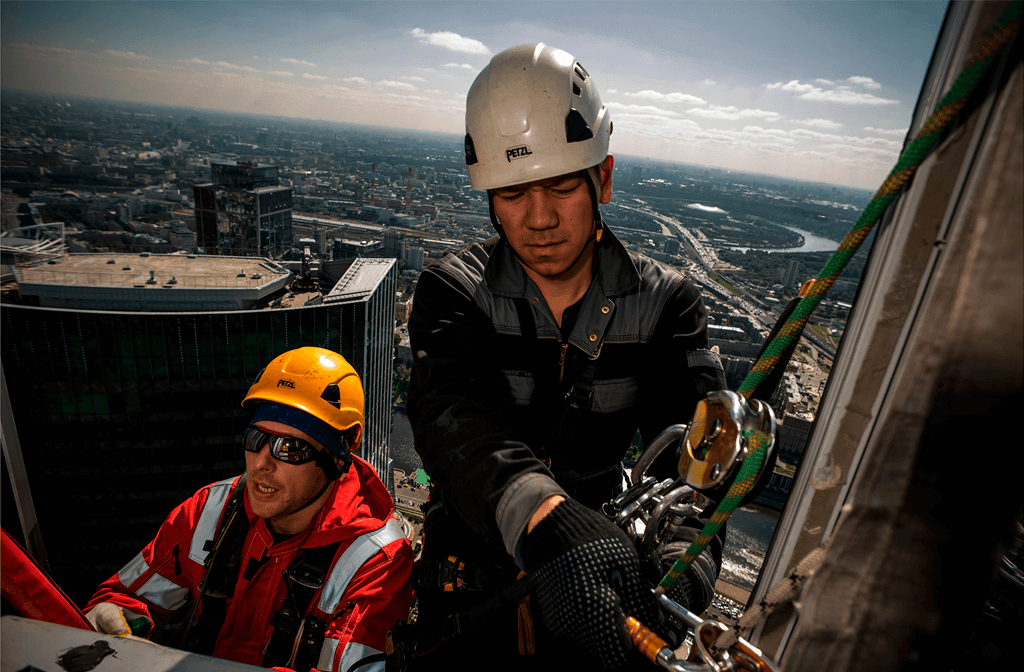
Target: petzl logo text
[[517, 152], [286, 383]]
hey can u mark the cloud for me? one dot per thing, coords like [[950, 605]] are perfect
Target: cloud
[[316, 77], [405, 86], [709, 82], [222, 64], [825, 82], [848, 98], [127, 54], [297, 62], [57, 50], [668, 97], [819, 123], [413, 78], [355, 80], [866, 82], [794, 86], [901, 132], [733, 113], [842, 94], [452, 42], [642, 109], [462, 66], [280, 73]]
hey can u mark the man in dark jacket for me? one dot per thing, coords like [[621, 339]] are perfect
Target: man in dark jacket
[[538, 354]]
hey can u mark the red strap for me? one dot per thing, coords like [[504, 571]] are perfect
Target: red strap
[[34, 594]]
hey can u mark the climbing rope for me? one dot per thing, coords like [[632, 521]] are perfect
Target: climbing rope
[[758, 443], [775, 354]]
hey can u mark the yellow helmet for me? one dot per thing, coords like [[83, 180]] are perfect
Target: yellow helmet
[[317, 381]]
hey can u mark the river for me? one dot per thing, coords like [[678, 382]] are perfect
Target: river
[[750, 528], [812, 243]]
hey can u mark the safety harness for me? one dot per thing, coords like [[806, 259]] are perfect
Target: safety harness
[[297, 639]]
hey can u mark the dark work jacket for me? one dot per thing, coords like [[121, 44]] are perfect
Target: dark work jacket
[[485, 401]]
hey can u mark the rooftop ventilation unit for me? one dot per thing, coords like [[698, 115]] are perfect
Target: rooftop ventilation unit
[[241, 274], [152, 278], [144, 254], [126, 268], [172, 281], [111, 261]]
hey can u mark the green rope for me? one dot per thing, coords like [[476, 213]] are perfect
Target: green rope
[[1002, 34], [757, 442]]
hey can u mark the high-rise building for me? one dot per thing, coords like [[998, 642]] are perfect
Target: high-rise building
[[393, 243], [120, 415], [243, 211], [415, 258], [791, 272]]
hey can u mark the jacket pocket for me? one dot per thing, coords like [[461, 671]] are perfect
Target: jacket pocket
[[614, 395], [521, 385]]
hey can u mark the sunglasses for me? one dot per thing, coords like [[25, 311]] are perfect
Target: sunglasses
[[284, 448]]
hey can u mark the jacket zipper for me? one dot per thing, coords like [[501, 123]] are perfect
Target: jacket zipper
[[561, 362]]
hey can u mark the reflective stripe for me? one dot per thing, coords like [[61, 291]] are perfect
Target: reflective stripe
[[206, 528], [326, 661], [358, 552], [353, 654], [132, 571], [163, 592]]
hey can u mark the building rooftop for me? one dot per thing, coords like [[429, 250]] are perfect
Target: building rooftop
[[136, 270], [361, 278]]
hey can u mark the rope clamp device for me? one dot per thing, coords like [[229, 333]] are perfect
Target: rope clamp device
[[714, 444]]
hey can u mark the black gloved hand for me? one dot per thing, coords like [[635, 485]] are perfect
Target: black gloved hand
[[587, 574]]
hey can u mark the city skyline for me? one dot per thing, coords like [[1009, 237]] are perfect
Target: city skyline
[[812, 91]]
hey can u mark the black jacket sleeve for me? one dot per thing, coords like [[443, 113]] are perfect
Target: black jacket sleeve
[[680, 370], [454, 406]]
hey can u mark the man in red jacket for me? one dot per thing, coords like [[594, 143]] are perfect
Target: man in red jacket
[[298, 563]]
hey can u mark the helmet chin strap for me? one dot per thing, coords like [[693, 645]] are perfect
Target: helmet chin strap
[[594, 236]]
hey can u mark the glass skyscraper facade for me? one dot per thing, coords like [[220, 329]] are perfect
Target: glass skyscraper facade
[[123, 415]]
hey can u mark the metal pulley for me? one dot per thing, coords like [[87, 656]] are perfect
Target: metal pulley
[[714, 445]]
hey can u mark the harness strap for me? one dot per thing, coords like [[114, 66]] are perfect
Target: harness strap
[[218, 582], [304, 577]]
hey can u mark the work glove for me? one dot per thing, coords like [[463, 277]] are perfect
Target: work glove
[[587, 575], [110, 619]]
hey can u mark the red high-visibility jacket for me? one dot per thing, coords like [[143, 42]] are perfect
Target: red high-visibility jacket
[[366, 590]]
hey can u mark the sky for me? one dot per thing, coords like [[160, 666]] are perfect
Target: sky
[[820, 91]]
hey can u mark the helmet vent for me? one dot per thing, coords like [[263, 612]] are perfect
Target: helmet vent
[[470, 151], [576, 88], [332, 395], [576, 128], [259, 375], [581, 72]]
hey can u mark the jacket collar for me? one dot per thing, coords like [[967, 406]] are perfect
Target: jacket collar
[[615, 271]]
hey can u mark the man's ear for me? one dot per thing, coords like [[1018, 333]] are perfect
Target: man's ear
[[606, 179]]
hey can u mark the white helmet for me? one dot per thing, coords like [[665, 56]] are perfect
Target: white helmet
[[531, 114]]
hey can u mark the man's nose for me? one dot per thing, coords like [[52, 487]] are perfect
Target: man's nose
[[541, 213], [263, 459]]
